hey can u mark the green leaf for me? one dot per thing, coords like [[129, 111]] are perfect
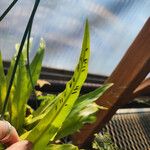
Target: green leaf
[[36, 64], [47, 100], [24, 51], [22, 87], [39, 113], [48, 127], [83, 112], [94, 95], [20, 96], [104, 142], [3, 87], [11, 95], [2, 75], [61, 147], [1, 147]]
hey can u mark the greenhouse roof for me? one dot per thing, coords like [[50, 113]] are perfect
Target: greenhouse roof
[[113, 24]]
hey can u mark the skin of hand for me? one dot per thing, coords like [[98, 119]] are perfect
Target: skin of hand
[[10, 138]]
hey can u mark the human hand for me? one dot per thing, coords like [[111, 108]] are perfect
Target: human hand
[[10, 138]]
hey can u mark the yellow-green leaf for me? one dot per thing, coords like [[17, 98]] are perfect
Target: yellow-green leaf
[[3, 86], [48, 127], [61, 147]]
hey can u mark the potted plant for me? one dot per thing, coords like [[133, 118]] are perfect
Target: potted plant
[[57, 116]]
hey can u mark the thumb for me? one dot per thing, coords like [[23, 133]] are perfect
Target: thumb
[[22, 145], [8, 134]]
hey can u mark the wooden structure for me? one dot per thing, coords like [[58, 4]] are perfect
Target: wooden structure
[[129, 73]]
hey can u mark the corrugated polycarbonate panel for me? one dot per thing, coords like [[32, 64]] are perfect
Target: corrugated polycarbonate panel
[[114, 24]]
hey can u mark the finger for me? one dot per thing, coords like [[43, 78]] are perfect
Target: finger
[[8, 134], [22, 145]]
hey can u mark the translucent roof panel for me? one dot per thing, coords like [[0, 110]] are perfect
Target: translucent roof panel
[[113, 24]]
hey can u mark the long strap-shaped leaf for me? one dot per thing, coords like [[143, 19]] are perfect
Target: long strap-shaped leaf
[[61, 147], [22, 86], [18, 55], [2, 83], [48, 127], [83, 112], [19, 96]]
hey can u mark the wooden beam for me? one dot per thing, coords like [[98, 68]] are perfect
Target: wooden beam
[[143, 88], [129, 73]]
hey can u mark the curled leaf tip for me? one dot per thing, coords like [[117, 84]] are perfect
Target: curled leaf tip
[[87, 21], [108, 85], [42, 43], [87, 24], [17, 45], [102, 107], [31, 39]]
